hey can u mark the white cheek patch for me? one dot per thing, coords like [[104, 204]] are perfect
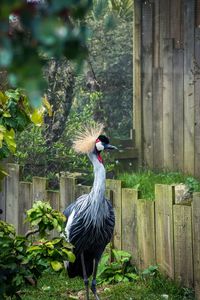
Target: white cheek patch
[[99, 146]]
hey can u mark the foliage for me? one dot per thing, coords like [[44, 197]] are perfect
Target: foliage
[[15, 115], [120, 270], [24, 260], [45, 217], [38, 158], [37, 31], [110, 65], [145, 181]]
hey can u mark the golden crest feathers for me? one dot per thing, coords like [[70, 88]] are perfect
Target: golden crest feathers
[[84, 141]]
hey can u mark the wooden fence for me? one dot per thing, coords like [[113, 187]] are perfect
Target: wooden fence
[[167, 84], [159, 232]]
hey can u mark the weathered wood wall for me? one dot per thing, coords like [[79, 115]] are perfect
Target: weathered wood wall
[[167, 84], [159, 232]]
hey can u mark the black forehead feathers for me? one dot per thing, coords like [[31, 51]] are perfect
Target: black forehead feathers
[[103, 139]]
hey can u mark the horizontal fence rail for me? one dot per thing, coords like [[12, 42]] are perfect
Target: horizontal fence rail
[[164, 232]]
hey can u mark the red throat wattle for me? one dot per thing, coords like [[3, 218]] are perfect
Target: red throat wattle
[[99, 157]]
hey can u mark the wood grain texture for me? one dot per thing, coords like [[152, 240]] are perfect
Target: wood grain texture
[[168, 138], [196, 242], [129, 222], [189, 12], [115, 186], [147, 86], [25, 203], [158, 118], [183, 258], [146, 234], [137, 103], [39, 188], [67, 191], [178, 109], [164, 199], [197, 104], [12, 195]]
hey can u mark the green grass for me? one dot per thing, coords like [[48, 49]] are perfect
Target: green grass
[[60, 287], [145, 181]]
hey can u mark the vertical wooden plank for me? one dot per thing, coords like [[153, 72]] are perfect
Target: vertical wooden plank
[[189, 8], [81, 190], [12, 194], [183, 255], [178, 108], [175, 23], [164, 26], [129, 222], [197, 13], [137, 101], [54, 199], [156, 22], [25, 203], [157, 118], [197, 103], [67, 191], [167, 105], [196, 242], [164, 199], [147, 61], [115, 186], [39, 188], [3, 200], [146, 233]]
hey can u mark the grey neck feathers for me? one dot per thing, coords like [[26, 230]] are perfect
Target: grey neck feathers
[[98, 189]]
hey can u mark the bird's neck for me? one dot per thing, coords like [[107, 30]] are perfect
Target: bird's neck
[[98, 188]]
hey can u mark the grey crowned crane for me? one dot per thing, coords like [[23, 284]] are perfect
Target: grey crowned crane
[[90, 219]]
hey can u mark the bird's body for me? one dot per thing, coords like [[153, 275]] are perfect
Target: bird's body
[[90, 222], [90, 219]]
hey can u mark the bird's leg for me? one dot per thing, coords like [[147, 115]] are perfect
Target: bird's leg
[[93, 286], [85, 278]]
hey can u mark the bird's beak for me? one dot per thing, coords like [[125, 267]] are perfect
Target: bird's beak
[[110, 147]]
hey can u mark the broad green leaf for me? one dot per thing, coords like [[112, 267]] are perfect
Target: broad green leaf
[[71, 256], [56, 265]]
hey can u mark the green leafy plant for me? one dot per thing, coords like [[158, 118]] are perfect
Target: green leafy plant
[[120, 270], [15, 115], [24, 259]]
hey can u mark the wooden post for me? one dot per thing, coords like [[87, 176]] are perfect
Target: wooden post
[[25, 203], [164, 199], [12, 195], [115, 186], [196, 242], [54, 199], [39, 188], [129, 222], [81, 190], [67, 191], [146, 233], [183, 259]]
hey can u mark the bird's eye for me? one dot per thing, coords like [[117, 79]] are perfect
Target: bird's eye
[[99, 146]]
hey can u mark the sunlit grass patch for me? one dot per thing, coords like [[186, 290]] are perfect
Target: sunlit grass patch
[[145, 181]]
